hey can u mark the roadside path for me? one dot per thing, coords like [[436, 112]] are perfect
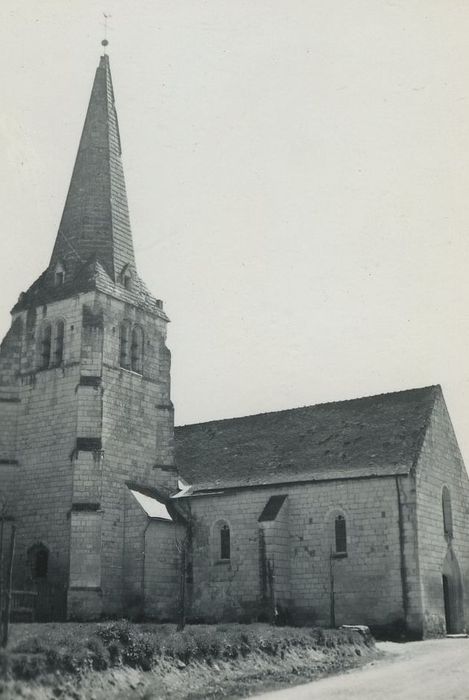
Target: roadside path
[[432, 670]]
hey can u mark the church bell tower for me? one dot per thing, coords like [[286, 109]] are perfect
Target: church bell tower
[[85, 405]]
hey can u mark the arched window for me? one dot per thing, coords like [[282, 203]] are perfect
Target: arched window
[[59, 343], [225, 544], [447, 512], [124, 345], [45, 346], [38, 557], [340, 530], [136, 350], [221, 541]]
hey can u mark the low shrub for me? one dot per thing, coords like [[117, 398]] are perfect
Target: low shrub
[[111, 644], [24, 666]]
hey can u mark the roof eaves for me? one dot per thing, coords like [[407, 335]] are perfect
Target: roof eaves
[[206, 490]]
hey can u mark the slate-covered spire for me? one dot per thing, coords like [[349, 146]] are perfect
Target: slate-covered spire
[[95, 222], [93, 249]]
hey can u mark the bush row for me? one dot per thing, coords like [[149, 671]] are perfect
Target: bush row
[[123, 643]]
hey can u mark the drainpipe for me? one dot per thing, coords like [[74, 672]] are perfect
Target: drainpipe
[[143, 565]]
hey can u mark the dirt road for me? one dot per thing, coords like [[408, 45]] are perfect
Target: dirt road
[[433, 670]]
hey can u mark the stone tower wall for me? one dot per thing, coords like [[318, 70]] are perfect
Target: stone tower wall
[[73, 435], [74, 430], [45, 440], [127, 418], [10, 360]]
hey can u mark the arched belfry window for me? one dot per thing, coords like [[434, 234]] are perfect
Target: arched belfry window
[[136, 350], [340, 534], [124, 345], [45, 346], [447, 512], [38, 558], [59, 343]]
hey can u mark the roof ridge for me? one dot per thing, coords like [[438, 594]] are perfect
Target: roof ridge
[[430, 387]]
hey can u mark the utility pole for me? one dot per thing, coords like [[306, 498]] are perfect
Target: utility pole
[[271, 590], [182, 587], [2, 526], [331, 573]]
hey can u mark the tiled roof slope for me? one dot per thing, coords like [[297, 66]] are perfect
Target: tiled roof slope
[[94, 240], [91, 276], [95, 219], [375, 435]]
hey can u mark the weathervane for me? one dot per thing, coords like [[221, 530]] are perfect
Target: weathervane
[[105, 42]]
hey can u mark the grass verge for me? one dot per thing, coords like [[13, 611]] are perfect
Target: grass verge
[[149, 661]]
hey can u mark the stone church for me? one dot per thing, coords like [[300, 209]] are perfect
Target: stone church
[[341, 513]]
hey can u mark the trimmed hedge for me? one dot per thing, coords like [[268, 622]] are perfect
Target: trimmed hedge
[[143, 646]]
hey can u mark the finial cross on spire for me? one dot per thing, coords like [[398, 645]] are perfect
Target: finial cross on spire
[[106, 26]]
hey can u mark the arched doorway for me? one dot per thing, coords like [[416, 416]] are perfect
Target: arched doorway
[[452, 594], [51, 596]]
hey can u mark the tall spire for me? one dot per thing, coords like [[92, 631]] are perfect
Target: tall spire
[[93, 248], [95, 222]]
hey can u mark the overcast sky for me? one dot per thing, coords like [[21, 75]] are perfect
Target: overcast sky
[[297, 173]]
